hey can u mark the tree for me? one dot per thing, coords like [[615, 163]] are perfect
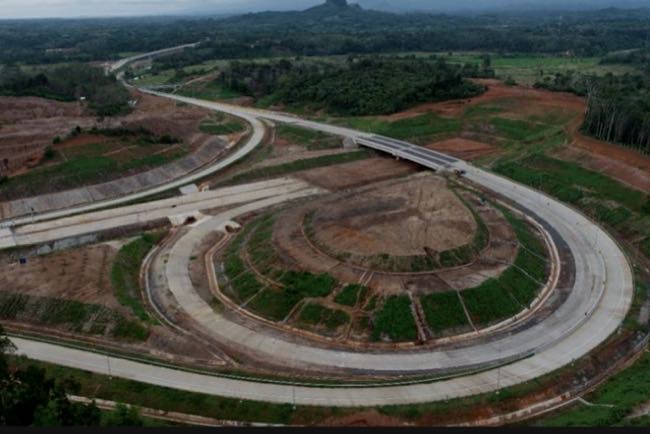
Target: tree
[[29, 397]]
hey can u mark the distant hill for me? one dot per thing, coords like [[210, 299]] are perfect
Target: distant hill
[[402, 6], [331, 13]]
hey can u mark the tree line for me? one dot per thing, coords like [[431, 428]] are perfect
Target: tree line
[[618, 106], [321, 31]]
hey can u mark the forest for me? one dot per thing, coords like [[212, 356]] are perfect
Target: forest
[[323, 30], [618, 110], [105, 95], [358, 87], [618, 107]]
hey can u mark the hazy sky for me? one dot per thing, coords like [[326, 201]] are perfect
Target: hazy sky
[[76, 8]]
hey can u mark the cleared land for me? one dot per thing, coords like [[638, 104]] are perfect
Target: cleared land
[[400, 220], [50, 146], [84, 294]]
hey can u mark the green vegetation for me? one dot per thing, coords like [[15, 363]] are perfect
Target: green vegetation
[[372, 304], [162, 398], [105, 95], [497, 298], [618, 107], [219, 127], [308, 284], [276, 301], [517, 129], [645, 247], [31, 397], [365, 87], [242, 283], [123, 415], [614, 400], [490, 302], [350, 295], [209, 91], [569, 182], [443, 311], [324, 30], [395, 320], [125, 274], [70, 315], [300, 165], [419, 129], [312, 140], [529, 69], [316, 314], [517, 287], [85, 165]]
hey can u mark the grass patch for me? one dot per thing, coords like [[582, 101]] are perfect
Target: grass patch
[[308, 284], [310, 139], [315, 314], [222, 129], [277, 303], [418, 128], [125, 273], [569, 182], [517, 129], [209, 91], [624, 391], [490, 302], [517, 287], [350, 295], [395, 320], [372, 304], [70, 315], [81, 170], [443, 311]]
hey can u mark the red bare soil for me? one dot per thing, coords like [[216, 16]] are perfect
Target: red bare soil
[[618, 162], [463, 148], [364, 418]]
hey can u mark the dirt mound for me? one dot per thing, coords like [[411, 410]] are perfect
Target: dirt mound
[[357, 173], [400, 220], [463, 148]]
